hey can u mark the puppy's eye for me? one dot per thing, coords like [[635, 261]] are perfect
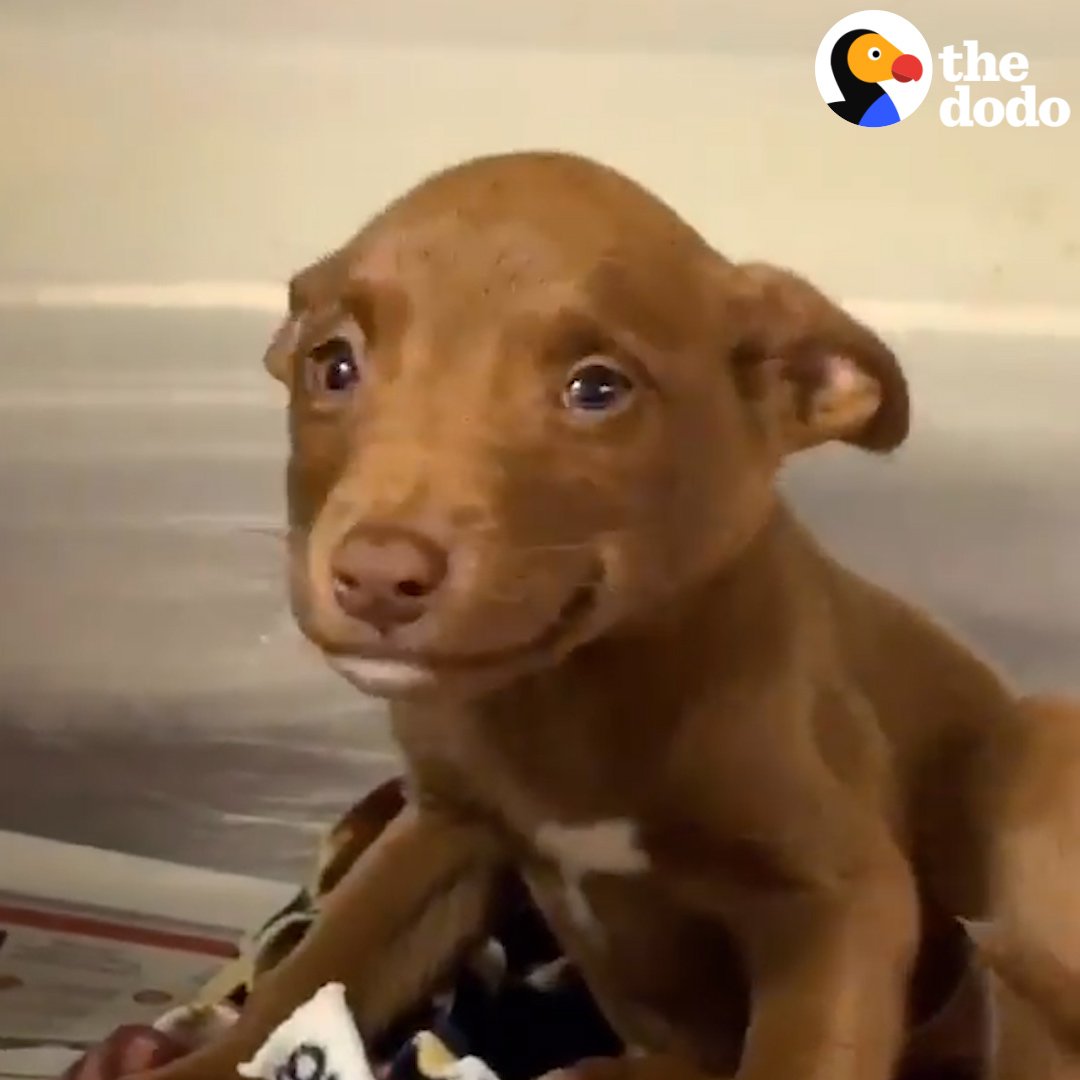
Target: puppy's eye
[[875, 54], [597, 386], [333, 367]]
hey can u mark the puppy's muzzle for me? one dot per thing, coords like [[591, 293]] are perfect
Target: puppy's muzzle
[[387, 576]]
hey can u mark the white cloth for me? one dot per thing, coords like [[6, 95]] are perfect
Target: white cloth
[[320, 1042]]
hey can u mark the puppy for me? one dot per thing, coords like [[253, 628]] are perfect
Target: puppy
[[1031, 944], [536, 423]]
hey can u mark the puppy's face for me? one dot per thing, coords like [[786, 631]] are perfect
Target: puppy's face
[[528, 405]]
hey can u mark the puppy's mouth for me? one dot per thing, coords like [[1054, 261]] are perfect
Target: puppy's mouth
[[387, 671]]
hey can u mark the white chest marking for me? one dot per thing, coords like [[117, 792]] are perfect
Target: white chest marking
[[610, 846], [601, 847]]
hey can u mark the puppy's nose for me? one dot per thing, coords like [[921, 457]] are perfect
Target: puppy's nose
[[386, 576]]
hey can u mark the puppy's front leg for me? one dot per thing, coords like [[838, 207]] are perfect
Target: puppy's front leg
[[829, 955], [412, 903], [829, 975]]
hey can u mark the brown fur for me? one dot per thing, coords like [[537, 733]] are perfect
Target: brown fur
[[1032, 942], [634, 628]]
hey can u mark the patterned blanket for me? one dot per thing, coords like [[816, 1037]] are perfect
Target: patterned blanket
[[517, 1006], [515, 1011]]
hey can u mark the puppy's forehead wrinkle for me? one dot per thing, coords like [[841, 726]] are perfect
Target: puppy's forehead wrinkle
[[519, 218], [317, 284], [451, 246]]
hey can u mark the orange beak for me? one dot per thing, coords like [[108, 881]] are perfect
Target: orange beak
[[907, 68]]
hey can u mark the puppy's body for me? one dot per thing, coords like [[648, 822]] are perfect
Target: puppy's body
[[713, 693], [535, 425]]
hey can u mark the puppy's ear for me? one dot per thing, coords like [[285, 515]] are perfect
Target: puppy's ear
[[278, 356], [817, 373]]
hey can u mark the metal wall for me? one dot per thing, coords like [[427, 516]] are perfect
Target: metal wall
[[152, 694]]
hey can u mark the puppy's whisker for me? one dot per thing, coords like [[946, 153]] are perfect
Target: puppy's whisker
[[578, 545], [497, 597]]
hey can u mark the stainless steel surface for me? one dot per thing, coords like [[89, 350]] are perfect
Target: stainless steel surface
[[153, 696]]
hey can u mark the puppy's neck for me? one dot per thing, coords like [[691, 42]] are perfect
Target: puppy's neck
[[740, 600]]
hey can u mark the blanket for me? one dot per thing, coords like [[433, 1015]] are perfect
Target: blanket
[[515, 1011]]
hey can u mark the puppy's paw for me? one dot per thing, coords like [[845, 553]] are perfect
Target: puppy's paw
[[599, 1068], [644, 1067], [128, 1050]]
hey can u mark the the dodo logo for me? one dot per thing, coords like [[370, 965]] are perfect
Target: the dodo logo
[[873, 68]]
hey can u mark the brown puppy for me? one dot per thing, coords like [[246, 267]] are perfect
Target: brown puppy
[[536, 422]]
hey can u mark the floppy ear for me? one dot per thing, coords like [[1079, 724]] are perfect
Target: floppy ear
[[278, 356], [817, 373]]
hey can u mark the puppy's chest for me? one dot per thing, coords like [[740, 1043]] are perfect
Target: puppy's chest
[[582, 849], [584, 835], [559, 804]]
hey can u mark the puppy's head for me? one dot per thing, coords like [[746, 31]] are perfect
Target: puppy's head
[[528, 404]]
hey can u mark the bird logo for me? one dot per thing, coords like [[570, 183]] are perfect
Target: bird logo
[[873, 69]]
